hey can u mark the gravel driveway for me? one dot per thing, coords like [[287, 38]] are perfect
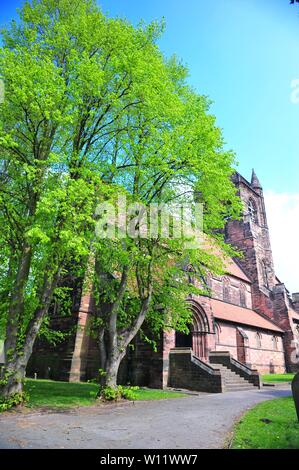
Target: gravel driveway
[[195, 422]]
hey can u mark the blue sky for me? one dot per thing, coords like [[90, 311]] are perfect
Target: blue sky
[[244, 55]]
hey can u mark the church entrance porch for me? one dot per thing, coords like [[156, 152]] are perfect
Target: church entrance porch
[[196, 340], [200, 335]]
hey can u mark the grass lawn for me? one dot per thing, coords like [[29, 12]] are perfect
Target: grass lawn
[[277, 377], [64, 394], [270, 425], [156, 394]]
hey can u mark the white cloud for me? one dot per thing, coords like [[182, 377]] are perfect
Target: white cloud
[[283, 220]]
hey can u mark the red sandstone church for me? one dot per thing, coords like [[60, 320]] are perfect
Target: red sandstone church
[[248, 325]]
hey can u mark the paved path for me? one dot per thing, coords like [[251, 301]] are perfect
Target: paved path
[[194, 422]]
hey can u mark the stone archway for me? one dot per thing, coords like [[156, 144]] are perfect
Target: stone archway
[[197, 336]]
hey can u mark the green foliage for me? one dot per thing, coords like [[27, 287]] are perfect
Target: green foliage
[[118, 393], [14, 400], [93, 110]]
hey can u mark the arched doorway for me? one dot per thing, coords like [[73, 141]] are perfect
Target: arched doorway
[[242, 345], [197, 336], [184, 340]]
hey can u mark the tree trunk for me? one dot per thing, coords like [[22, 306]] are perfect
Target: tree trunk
[[112, 366], [118, 341], [15, 374], [15, 367], [117, 353], [16, 307]]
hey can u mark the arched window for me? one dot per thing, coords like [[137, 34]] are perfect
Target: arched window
[[217, 332], [252, 211], [226, 291], [265, 274], [243, 296], [258, 338], [275, 342]]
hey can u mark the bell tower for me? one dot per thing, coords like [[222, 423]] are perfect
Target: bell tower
[[251, 236]]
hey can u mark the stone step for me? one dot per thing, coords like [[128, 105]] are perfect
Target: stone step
[[230, 385], [232, 380], [228, 373], [235, 380], [233, 376], [238, 389], [221, 368]]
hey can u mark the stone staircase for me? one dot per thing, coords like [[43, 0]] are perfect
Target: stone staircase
[[222, 373], [232, 381]]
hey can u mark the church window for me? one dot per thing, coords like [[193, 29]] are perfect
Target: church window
[[242, 296], [275, 342], [217, 332], [252, 210], [258, 338], [226, 292]]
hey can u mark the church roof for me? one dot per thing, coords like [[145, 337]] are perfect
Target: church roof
[[233, 269], [245, 316], [230, 266]]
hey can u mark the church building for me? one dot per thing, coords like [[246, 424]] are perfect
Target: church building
[[248, 325]]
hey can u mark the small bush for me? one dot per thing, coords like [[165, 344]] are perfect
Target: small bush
[[14, 400], [128, 393], [114, 394]]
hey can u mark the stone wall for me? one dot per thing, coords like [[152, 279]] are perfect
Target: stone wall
[[261, 353], [234, 287], [50, 361], [283, 317], [187, 373], [145, 365]]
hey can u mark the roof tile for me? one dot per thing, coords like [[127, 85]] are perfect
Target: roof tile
[[244, 316]]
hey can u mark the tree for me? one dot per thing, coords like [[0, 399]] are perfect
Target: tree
[[72, 76], [93, 110], [166, 156]]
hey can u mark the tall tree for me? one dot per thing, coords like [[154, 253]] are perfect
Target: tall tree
[[166, 156], [72, 76]]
